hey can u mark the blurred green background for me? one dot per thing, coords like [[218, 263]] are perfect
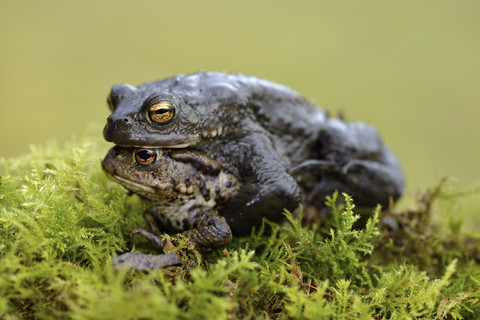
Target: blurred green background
[[411, 68]]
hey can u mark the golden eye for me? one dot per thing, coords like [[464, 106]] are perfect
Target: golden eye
[[145, 156], [162, 112]]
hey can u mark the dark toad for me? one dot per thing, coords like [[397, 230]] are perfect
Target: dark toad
[[275, 142]]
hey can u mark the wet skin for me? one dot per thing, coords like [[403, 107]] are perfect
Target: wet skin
[[187, 188], [280, 146]]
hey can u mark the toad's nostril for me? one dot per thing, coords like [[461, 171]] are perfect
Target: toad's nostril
[[114, 125]]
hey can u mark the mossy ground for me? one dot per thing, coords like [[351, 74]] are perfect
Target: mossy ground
[[62, 220]]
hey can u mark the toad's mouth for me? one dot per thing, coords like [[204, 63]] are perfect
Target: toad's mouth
[[152, 143], [132, 186], [181, 142], [116, 132], [142, 138], [174, 146], [177, 142]]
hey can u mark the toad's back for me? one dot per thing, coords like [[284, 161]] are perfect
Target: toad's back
[[244, 103]]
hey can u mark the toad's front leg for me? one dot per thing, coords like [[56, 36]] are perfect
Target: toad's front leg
[[209, 230], [267, 186], [204, 227]]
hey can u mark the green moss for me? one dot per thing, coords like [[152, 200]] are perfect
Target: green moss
[[62, 221]]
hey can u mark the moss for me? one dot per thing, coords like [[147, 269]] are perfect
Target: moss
[[62, 221]]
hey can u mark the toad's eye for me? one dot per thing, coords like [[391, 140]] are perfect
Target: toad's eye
[[145, 156], [162, 112]]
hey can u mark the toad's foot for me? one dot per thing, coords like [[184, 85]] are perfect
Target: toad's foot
[[155, 236], [142, 261]]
